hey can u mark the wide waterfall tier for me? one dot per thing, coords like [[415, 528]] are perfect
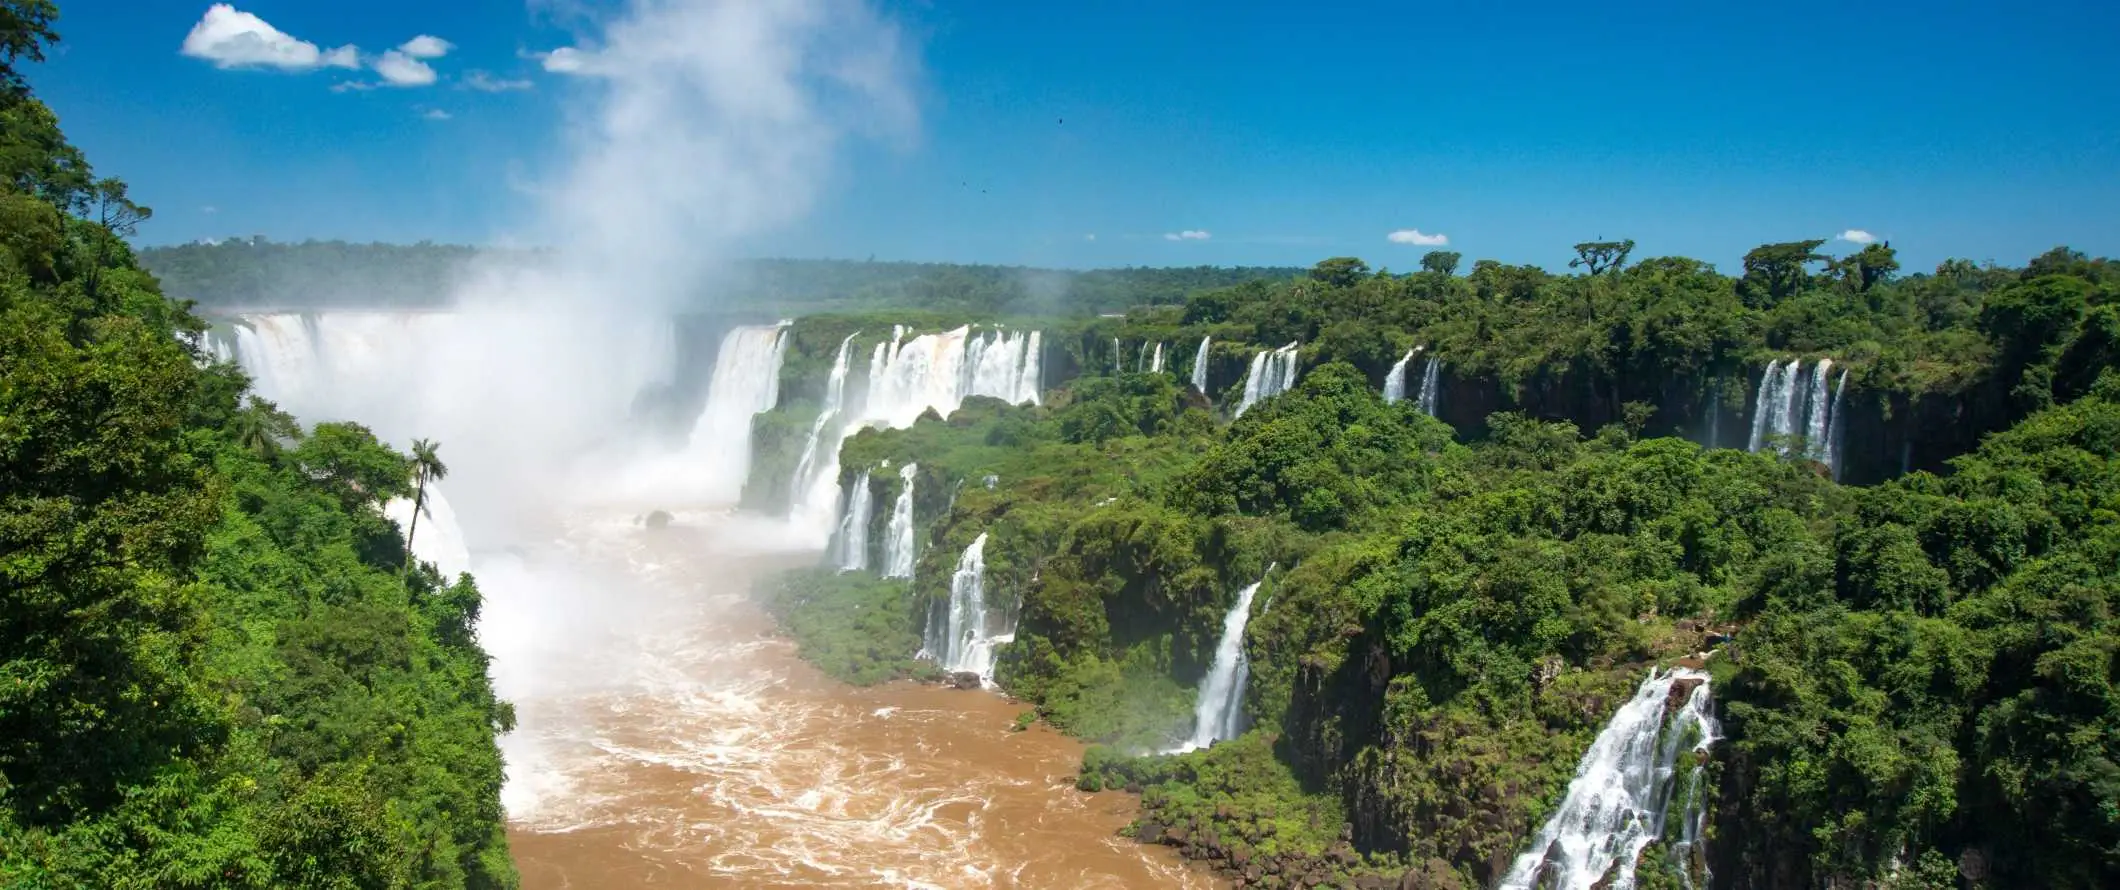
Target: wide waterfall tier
[[1797, 410], [1199, 368], [437, 538], [1272, 373], [1155, 362], [853, 554], [968, 631], [1646, 760], [1218, 713], [898, 553]]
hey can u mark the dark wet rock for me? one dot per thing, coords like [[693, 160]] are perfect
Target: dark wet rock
[[658, 520], [964, 680], [1435, 874], [1681, 689], [1149, 833]]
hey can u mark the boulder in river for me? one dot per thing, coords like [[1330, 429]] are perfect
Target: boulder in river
[[964, 680]]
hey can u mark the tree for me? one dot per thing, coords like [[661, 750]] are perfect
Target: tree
[[119, 218], [426, 465], [1599, 256], [1340, 271], [25, 27], [1864, 269], [1442, 261], [1774, 272]]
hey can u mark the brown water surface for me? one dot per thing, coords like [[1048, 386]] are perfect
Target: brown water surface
[[669, 738]]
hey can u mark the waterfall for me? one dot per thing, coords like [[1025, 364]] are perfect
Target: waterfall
[[801, 488], [438, 538], [746, 382], [1199, 371], [1219, 712], [1791, 403], [1155, 363], [1814, 428], [898, 555], [1622, 792], [854, 526], [1395, 379], [967, 638], [1830, 453], [1431, 386], [1272, 373], [1141, 361], [1118, 363], [1030, 379]]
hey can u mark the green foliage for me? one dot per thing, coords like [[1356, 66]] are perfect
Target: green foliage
[[215, 666], [859, 628]]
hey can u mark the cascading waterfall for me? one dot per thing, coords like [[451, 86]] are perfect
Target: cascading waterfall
[[898, 553], [1431, 386], [967, 636], [1199, 369], [746, 382], [1155, 363], [1118, 363], [438, 538], [854, 526], [1622, 793], [1395, 379], [807, 475], [1793, 402], [1830, 453], [1272, 373], [1219, 712]]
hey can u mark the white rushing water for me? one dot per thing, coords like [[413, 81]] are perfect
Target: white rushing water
[[1155, 363], [816, 479], [898, 553], [1273, 371], [1199, 368], [746, 382], [1829, 449], [1395, 379], [1219, 711], [965, 640], [1798, 403], [1431, 386], [438, 539], [1623, 791], [853, 553]]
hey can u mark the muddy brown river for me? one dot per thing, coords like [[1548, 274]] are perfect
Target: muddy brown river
[[667, 737]]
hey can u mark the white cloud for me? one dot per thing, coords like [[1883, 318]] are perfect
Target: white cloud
[[1416, 236], [209, 209], [487, 83], [231, 38], [355, 86], [1856, 235], [1187, 235], [436, 114], [1090, 237], [568, 60], [426, 46], [401, 70]]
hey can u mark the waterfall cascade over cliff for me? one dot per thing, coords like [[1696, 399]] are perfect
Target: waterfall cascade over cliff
[[746, 383], [1796, 410], [816, 479], [1646, 761], [964, 633], [1395, 379], [438, 538], [1219, 711], [853, 552], [898, 553], [1272, 373], [1199, 368], [1431, 386]]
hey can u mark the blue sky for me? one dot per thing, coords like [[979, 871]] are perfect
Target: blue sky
[[1284, 133]]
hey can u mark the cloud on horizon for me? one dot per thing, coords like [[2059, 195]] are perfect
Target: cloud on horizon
[[400, 69], [1417, 237], [568, 60], [231, 38], [1187, 235], [426, 46], [1857, 236]]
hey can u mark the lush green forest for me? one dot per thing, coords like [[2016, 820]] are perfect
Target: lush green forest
[[216, 667], [257, 273], [1916, 676]]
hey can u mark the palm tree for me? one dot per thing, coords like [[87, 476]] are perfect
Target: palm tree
[[425, 466]]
